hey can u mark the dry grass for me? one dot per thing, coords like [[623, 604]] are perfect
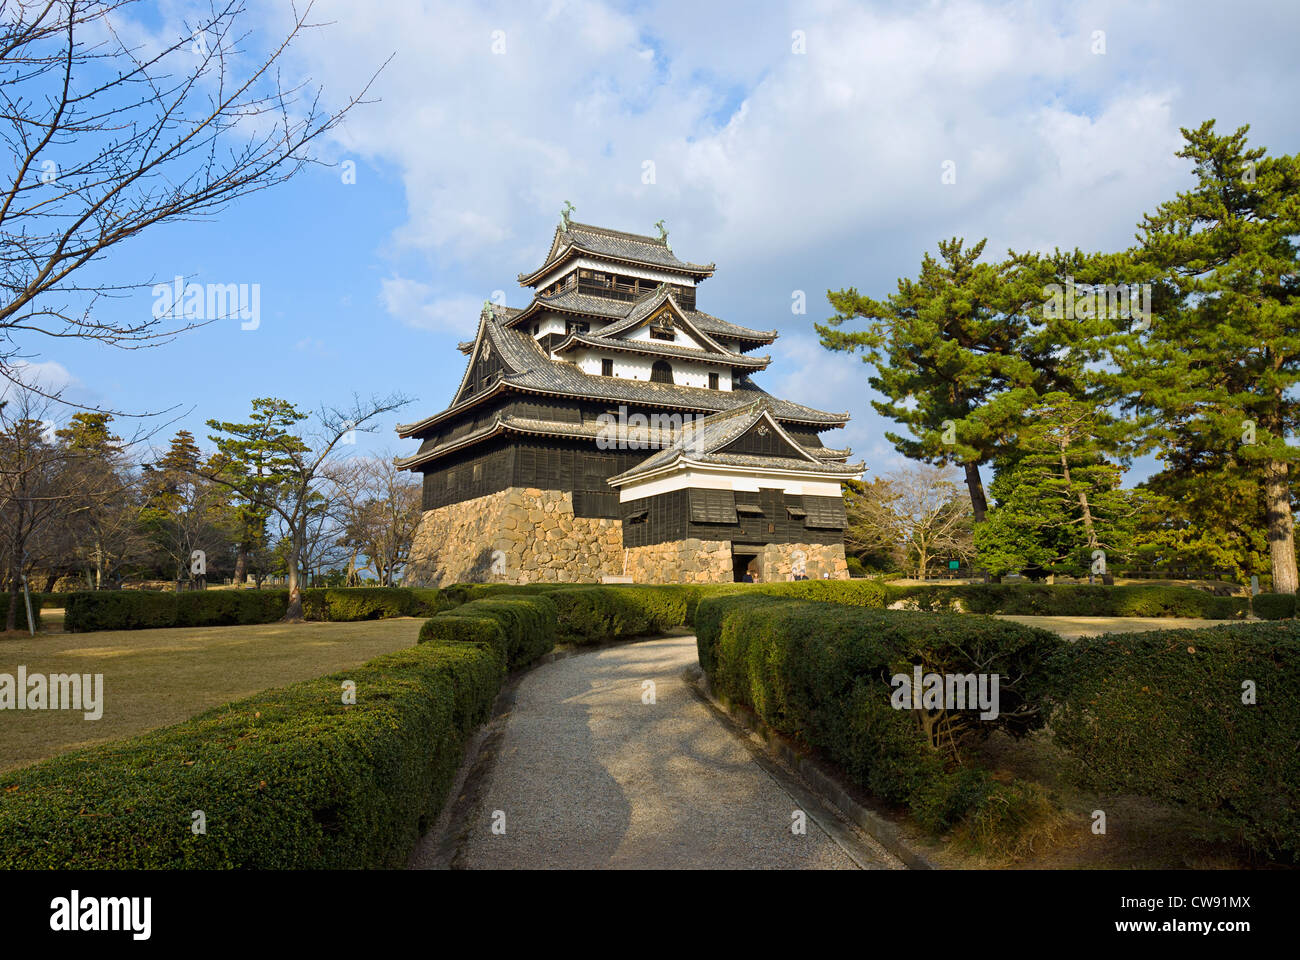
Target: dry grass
[[157, 677], [1071, 628]]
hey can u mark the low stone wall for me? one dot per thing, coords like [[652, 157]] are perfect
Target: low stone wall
[[519, 535], [779, 559], [681, 561]]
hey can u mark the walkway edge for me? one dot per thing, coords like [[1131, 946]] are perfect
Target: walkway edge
[[440, 846], [830, 787]]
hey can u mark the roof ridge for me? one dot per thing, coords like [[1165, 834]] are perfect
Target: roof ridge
[[611, 232]]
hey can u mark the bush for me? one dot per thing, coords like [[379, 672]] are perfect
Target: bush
[[20, 617], [141, 610], [821, 672], [289, 779], [1070, 600], [1161, 714], [525, 626], [1275, 606], [604, 614]]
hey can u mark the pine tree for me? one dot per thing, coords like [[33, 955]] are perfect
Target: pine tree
[[1220, 363], [1058, 502], [947, 351]]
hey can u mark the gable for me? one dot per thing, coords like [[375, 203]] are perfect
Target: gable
[[764, 439], [486, 366]]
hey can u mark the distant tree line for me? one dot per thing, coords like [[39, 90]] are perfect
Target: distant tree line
[[85, 509]]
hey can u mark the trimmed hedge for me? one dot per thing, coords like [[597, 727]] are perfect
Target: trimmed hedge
[[1068, 600], [20, 618], [142, 610], [518, 629], [821, 672], [603, 613], [1275, 606], [1161, 714], [289, 779]]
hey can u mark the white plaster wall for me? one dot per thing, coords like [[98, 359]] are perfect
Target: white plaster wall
[[718, 480], [642, 273]]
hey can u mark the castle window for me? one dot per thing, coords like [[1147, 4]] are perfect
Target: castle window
[[606, 367], [658, 334], [661, 372], [713, 381]]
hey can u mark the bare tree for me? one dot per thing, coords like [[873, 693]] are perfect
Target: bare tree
[[381, 513], [920, 510], [42, 483], [107, 138]]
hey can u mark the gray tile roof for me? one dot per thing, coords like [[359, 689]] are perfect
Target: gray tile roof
[[666, 349], [703, 441], [634, 247], [584, 303]]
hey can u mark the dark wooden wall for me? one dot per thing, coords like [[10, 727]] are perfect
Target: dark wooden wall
[[668, 517]]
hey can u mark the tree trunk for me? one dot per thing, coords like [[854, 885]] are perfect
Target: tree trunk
[[241, 565], [979, 503], [294, 613], [15, 585], [1281, 527]]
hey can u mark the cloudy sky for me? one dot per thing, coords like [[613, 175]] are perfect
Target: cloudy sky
[[800, 146]]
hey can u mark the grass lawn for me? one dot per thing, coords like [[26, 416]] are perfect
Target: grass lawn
[[1071, 628], [157, 677]]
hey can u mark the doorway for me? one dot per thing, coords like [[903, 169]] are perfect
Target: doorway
[[746, 559]]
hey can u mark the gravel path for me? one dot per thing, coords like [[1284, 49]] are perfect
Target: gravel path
[[590, 776]]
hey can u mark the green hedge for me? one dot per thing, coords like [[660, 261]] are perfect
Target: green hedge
[[20, 618], [1275, 606], [140, 610], [821, 672], [290, 778], [1067, 600], [608, 612], [518, 628], [1160, 714]]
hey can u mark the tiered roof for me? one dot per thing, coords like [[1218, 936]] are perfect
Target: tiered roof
[[576, 239], [706, 443], [527, 368]]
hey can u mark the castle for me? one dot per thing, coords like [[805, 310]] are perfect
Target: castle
[[611, 431]]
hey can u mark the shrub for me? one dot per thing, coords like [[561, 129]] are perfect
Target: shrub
[[607, 613], [20, 617], [1161, 714], [140, 610], [822, 672], [1081, 600], [290, 778], [526, 626], [1275, 606]]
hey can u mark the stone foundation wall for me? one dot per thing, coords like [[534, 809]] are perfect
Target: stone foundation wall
[[681, 561], [778, 561], [528, 535], [519, 535]]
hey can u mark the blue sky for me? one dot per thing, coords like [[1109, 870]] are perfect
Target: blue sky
[[793, 171]]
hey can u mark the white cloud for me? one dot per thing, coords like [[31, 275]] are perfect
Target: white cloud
[[417, 305]]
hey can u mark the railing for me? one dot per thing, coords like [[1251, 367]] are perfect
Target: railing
[[613, 289]]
